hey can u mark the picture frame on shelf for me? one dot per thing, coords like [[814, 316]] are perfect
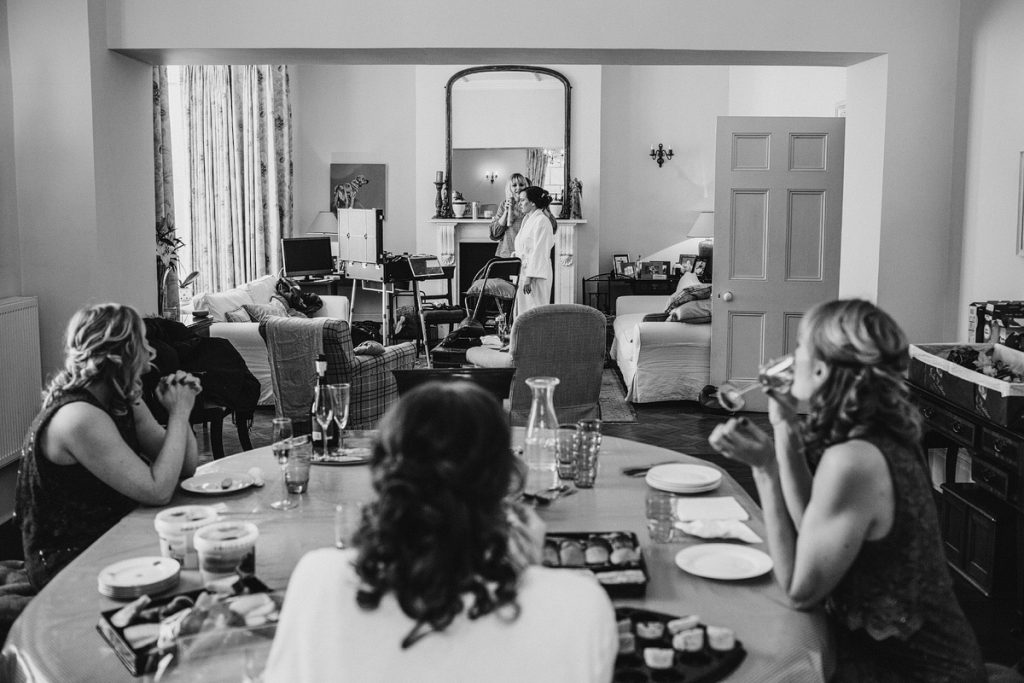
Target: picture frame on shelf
[[686, 263], [628, 270], [619, 264], [702, 269], [654, 270]]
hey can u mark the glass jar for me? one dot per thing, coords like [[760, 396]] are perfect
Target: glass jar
[[541, 435]]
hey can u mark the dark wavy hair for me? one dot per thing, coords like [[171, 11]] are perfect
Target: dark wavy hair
[[864, 394], [438, 530], [540, 197]]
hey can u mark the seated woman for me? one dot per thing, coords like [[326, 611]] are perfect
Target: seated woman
[[95, 451], [861, 533], [437, 587]]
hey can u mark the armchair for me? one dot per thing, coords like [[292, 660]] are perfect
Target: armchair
[[373, 385], [566, 341]]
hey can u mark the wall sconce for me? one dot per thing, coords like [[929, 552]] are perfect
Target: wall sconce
[[661, 155], [492, 176]]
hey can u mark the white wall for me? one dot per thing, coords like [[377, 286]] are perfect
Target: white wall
[[10, 244], [995, 139], [785, 90]]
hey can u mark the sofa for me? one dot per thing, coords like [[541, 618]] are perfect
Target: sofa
[[231, 321], [661, 359]]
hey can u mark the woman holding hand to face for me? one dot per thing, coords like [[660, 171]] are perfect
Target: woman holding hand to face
[[848, 504], [505, 226], [533, 245], [95, 451]]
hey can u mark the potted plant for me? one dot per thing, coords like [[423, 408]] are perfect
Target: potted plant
[[167, 246], [458, 204]]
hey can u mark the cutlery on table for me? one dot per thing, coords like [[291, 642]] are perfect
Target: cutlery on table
[[642, 471]]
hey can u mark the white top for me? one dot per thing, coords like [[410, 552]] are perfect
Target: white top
[[565, 632], [533, 246]]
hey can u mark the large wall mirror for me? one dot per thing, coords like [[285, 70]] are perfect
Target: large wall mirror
[[503, 120]]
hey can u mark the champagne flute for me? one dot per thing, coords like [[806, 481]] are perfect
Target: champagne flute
[[282, 449], [340, 394], [323, 412]]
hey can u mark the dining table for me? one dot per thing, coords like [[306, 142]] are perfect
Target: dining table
[[56, 637]]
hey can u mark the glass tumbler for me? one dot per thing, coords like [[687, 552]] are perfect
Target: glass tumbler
[[587, 445], [565, 453]]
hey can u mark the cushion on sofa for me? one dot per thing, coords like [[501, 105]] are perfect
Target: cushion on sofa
[[219, 303], [261, 289], [239, 315], [693, 312], [691, 293], [260, 312]]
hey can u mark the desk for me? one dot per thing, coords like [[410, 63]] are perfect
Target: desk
[[55, 637]]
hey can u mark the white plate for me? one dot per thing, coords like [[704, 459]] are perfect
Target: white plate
[[212, 483], [683, 478], [139, 572], [725, 561]]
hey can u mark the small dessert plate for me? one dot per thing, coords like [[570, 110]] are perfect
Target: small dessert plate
[[218, 483], [723, 561]]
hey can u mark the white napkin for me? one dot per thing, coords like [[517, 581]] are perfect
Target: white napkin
[[720, 528], [491, 340], [720, 507]]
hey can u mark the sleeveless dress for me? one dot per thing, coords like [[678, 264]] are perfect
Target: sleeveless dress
[[894, 613], [63, 509]]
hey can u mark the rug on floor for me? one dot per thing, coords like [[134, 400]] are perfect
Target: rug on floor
[[614, 407]]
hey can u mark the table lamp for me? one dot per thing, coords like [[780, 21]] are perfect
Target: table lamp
[[325, 222], [704, 229]]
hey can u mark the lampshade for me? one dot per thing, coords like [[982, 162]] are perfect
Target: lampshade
[[325, 221], [704, 226]]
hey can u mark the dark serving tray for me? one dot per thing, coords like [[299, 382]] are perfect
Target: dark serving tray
[[620, 577], [146, 659], [692, 667]]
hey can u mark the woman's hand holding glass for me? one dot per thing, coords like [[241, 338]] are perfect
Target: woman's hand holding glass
[[339, 396]]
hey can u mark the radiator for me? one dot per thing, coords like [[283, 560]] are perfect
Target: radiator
[[20, 372]]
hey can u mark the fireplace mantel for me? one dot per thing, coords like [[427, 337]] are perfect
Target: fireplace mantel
[[452, 231]]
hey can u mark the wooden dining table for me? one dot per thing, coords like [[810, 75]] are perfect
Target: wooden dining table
[[55, 638]]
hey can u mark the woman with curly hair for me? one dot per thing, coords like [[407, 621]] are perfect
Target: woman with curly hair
[[505, 225], [94, 451], [848, 505], [441, 584]]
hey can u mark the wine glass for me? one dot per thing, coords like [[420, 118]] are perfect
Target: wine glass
[[776, 374], [282, 449], [323, 413], [339, 394]]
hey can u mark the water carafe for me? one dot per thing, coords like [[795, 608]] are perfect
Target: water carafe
[[541, 435]]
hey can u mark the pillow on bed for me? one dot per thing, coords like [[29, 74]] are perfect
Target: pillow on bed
[[692, 312]]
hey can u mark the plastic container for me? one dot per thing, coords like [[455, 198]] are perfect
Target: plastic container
[[225, 548], [176, 528]]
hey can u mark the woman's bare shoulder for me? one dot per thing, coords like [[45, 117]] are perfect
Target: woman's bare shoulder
[[851, 462]]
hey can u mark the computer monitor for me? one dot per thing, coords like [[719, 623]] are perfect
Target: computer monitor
[[307, 257]]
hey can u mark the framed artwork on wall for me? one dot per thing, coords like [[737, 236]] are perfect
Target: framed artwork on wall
[[359, 186], [619, 263]]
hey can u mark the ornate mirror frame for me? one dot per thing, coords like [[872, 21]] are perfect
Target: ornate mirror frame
[[446, 211]]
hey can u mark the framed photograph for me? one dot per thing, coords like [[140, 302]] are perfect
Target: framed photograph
[[619, 263], [1020, 206], [686, 263], [700, 268], [359, 186], [629, 270]]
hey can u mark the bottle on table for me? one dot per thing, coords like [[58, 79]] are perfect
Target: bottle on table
[[320, 408], [541, 435]]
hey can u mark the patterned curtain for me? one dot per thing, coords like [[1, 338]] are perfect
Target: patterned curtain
[[166, 292], [536, 163], [237, 123]]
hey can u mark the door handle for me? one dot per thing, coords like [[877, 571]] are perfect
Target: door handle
[[725, 296]]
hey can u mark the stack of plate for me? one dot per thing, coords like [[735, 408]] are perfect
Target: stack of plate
[[128, 579], [681, 478]]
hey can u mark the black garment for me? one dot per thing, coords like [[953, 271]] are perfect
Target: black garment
[[221, 369], [63, 509], [895, 614]]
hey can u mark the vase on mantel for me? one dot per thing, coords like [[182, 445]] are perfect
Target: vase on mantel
[[459, 209]]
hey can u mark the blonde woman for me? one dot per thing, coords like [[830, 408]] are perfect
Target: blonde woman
[[95, 451], [505, 226]]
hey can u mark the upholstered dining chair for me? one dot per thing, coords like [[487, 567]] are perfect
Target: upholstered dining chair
[[498, 381], [566, 341]]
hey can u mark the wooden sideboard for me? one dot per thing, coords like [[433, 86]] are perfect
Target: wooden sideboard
[[982, 520]]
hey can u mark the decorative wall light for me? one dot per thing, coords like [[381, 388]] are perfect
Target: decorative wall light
[[661, 155], [492, 176]]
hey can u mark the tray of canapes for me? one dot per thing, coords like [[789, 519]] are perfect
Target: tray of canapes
[[613, 557], [145, 631], [661, 647]]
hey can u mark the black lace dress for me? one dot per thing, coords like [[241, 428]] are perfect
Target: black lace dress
[[894, 613], [62, 509]]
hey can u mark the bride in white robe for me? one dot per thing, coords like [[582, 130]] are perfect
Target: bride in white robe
[[533, 247]]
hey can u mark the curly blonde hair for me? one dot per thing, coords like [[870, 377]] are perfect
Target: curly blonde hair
[[864, 394], [106, 343]]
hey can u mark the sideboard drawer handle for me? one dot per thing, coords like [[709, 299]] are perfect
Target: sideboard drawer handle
[[957, 427], [998, 445], [927, 412]]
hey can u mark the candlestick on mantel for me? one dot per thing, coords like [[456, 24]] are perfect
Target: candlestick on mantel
[[438, 204], [439, 178]]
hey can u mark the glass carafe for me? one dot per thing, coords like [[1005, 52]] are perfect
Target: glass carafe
[[776, 375], [541, 435]]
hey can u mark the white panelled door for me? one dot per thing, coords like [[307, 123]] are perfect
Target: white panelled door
[[778, 223]]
